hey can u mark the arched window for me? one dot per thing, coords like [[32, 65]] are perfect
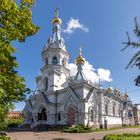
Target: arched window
[[46, 61], [54, 60], [129, 114], [59, 116], [43, 114], [46, 84], [119, 110], [64, 62], [32, 120], [106, 109], [91, 115], [113, 109]]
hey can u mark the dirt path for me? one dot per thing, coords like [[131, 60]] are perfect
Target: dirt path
[[57, 135]]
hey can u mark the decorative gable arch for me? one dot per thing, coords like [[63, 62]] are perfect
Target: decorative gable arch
[[94, 95], [70, 94], [70, 101], [40, 102]]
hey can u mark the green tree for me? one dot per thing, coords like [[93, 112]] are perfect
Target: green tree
[[15, 25], [135, 60]]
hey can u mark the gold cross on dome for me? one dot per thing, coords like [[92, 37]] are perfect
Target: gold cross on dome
[[56, 11]]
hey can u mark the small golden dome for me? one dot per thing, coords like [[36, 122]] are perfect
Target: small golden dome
[[109, 90], [80, 59], [56, 19], [126, 94]]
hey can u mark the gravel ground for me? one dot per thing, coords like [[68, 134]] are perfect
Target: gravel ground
[[57, 135]]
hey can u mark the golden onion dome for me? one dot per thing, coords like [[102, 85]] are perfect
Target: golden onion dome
[[126, 94], [80, 58], [56, 19], [109, 90]]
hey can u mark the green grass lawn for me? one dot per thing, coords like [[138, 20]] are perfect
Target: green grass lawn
[[130, 136]]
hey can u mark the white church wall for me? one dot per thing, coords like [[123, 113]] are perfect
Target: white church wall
[[51, 97], [111, 120], [60, 97], [62, 80], [85, 91]]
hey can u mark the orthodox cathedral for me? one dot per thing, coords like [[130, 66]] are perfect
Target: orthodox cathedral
[[64, 100]]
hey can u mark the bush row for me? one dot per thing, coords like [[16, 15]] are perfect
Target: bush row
[[14, 122]]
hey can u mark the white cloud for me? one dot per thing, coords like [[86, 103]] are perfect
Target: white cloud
[[73, 69], [74, 24], [91, 73], [104, 74]]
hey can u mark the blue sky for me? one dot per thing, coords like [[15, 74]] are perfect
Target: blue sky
[[107, 22]]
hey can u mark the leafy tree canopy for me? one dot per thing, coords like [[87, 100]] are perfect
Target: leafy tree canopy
[[15, 25]]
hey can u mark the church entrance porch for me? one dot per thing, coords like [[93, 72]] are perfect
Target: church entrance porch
[[71, 116], [43, 115], [40, 119]]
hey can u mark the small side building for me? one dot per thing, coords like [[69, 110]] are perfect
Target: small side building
[[14, 115]]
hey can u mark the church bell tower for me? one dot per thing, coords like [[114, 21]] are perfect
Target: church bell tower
[[55, 72]]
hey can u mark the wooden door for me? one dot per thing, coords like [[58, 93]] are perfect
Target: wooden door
[[71, 116]]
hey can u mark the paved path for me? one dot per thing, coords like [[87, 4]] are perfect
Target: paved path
[[57, 135]]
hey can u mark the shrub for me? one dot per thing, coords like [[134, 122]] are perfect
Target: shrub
[[2, 134], [14, 122], [78, 129], [4, 138]]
